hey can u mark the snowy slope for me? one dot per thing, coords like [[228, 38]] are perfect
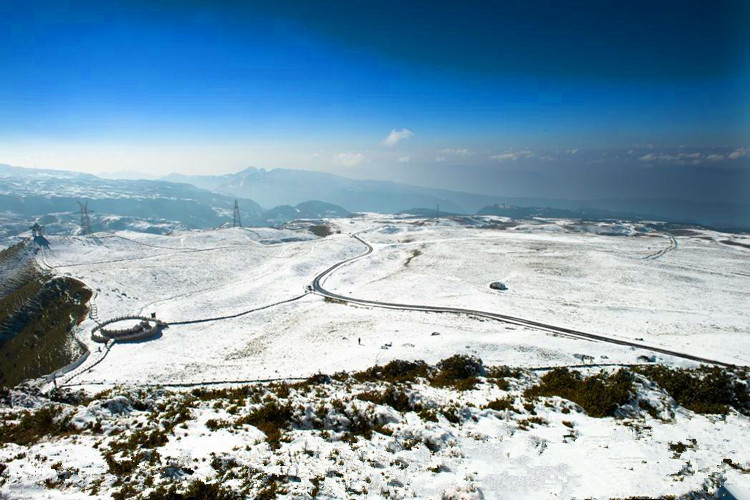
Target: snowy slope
[[687, 293], [448, 444], [688, 299]]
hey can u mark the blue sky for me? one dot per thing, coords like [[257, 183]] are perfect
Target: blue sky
[[206, 87]]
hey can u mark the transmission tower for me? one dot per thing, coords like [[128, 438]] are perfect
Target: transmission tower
[[85, 221], [237, 222]]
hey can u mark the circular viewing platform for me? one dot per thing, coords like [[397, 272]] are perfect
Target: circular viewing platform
[[126, 329]]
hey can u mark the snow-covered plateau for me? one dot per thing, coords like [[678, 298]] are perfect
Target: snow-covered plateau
[[221, 401]]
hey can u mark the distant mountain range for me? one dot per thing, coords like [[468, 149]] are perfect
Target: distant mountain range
[[51, 198], [181, 201], [32, 192], [290, 187], [306, 210]]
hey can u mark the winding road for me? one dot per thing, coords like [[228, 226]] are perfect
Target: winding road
[[317, 286]]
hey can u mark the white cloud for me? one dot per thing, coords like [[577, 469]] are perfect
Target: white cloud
[[511, 155], [404, 159], [457, 152], [440, 158], [652, 157], [396, 136], [572, 151], [349, 159], [679, 158], [737, 154], [693, 158]]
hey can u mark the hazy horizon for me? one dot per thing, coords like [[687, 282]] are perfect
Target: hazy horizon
[[453, 97]]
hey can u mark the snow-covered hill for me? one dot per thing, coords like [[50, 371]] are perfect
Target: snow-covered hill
[[239, 311], [155, 206], [458, 430], [685, 293]]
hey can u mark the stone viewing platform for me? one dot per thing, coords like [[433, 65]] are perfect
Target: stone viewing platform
[[126, 329]]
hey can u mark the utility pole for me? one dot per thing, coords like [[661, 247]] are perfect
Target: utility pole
[[236, 222], [85, 221]]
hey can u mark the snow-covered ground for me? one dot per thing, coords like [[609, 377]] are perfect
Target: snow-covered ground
[[685, 292], [438, 443], [688, 294]]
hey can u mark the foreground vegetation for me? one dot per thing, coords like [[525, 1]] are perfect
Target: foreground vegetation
[[343, 420]]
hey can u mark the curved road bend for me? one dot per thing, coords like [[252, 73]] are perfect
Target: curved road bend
[[318, 287]]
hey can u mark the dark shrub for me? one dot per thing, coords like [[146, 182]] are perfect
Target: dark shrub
[[531, 422], [502, 372], [33, 426], [198, 490], [120, 467], [599, 395], [395, 371], [140, 439], [501, 404], [452, 414], [704, 389], [213, 424], [318, 379], [271, 418], [428, 414], [236, 395], [69, 397], [321, 230], [500, 375], [360, 424], [459, 372], [392, 396]]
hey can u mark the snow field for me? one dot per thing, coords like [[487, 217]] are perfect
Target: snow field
[[691, 298], [687, 293]]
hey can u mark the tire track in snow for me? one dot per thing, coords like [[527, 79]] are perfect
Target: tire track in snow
[[663, 251], [236, 315]]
